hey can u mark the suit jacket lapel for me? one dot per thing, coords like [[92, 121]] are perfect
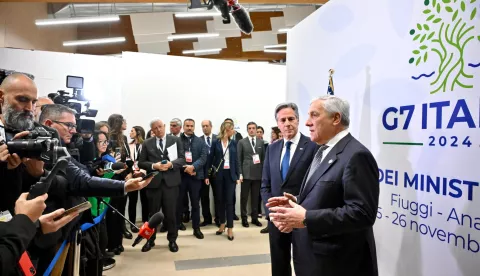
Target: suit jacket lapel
[[326, 164], [276, 156], [302, 143]]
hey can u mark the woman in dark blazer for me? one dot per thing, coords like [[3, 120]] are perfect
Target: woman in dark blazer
[[222, 161]]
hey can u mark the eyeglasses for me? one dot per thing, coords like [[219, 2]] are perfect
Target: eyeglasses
[[103, 143], [70, 126]]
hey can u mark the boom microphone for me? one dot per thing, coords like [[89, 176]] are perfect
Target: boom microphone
[[242, 18], [148, 228]]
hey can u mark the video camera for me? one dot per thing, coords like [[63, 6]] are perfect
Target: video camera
[[62, 97], [38, 144]]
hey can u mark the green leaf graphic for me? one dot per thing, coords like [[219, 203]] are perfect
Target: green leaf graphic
[[419, 27], [446, 1], [430, 35], [455, 15], [427, 11], [462, 6], [411, 60], [430, 17], [423, 38], [425, 26], [418, 61], [416, 52], [416, 37], [437, 20], [426, 2], [438, 7], [448, 9], [434, 3], [423, 47], [425, 57], [478, 38], [474, 12], [471, 2]]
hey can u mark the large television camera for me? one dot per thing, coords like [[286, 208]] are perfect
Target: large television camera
[[75, 102], [38, 144]]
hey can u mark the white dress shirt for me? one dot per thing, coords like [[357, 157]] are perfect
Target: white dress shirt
[[334, 141], [295, 140], [164, 140]]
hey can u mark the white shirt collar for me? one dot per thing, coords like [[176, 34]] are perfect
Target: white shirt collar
[[163, 138], [337, 138], [294, 140]]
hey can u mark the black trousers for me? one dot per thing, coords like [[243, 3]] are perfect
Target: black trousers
[[132, 205], [205, 194], [225, 198], [190, 186], [115, 223], [186, 206], [164, 198], [280, 251], [249, 188]]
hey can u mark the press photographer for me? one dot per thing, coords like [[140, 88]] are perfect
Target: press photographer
[[18, 95]]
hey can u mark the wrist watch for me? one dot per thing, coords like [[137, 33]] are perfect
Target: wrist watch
[[305, 221]]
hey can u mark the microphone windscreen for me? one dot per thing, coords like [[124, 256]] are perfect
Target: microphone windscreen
[[155, 220], [118, 166], [242, 18]]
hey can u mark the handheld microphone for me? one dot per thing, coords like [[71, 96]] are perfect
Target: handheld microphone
[[242, 18], [118, 166], [149, 228]]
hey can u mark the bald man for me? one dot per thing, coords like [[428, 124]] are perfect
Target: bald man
[[38, 107], [157, 155]]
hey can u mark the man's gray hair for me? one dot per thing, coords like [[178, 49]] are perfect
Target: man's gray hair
[[154, 121], [287, 105], [54, 112], [176, 121], [333, 104]]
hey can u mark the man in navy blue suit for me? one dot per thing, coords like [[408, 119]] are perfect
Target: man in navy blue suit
[[192, 175], [333, 215], [286, 163]]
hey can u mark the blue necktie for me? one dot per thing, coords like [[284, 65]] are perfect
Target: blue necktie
[[286, 160], [208, 144]]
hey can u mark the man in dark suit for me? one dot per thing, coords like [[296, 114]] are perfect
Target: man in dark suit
[[192, 175], [334, 213], [208, 137], [157, 155], [250, 153], [285, 165]]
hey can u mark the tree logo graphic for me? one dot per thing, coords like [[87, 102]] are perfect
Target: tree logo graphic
[[448, 28]]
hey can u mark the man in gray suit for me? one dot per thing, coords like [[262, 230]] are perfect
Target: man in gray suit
[[163, 192], [251, 153], [334, 213]]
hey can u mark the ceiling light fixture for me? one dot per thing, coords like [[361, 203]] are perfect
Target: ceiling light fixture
[[189, 36], [275, 51], [196, 14], [215, 50], [274, 46], [76, 20], [284, 30], [94, 41]]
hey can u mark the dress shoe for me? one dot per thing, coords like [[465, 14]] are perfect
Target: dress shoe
[[230, 234], [116, 251], [149, 245], [257, 223], [259, 215], [205, 223], [173, 246], [163, 229], [127, 235], [182, 227], [221, 230], [245, 223], [107, 255], [134, 229], [186, 217], [121, 248], [198, 234], [108, 263], [235, 217], [264, 230]]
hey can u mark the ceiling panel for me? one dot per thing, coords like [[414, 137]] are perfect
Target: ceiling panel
[[152, 23], [294, 15], [154, 48]]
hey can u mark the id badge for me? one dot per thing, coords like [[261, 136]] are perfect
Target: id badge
[[5, 216], [188, 156], [226, 164], [256, 159]]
